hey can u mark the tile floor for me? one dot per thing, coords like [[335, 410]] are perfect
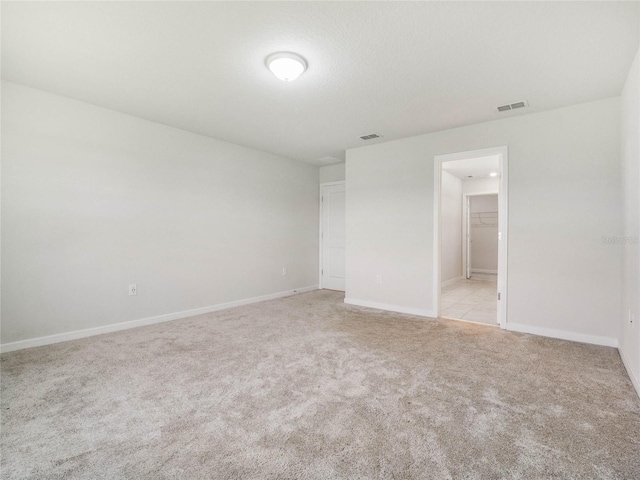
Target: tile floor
[[473, 300]]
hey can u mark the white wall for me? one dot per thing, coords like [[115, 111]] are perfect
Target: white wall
[[484, 234], [93, 200], [630, 113], [451, 227], [332, 173], [564, 195], [481, 185]]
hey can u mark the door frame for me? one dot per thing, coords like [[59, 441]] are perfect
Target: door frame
[[466, 205], [503, 224], [320, 228]]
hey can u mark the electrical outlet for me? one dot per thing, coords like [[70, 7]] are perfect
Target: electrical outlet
[[378, 278], [133, 289], [632, 317], [284, 270]]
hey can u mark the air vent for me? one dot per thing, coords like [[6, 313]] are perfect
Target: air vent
[[370, 136], [513, 106]]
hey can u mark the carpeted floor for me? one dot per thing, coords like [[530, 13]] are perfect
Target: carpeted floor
[[306, 387]]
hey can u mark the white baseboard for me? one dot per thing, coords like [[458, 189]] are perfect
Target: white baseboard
[[635, 378], [89, 332], [561, 334], [390, 308], [453, 280], [482, 270]]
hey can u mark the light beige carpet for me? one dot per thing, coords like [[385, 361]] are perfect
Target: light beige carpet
[[308, 388]]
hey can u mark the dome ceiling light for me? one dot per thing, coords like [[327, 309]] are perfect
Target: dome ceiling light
[[287, 66]]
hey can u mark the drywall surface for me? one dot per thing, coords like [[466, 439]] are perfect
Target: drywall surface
[[481, 185], [564, 196], [332, 173], [484, 233], [629, 244], [451, 224], [94, 200]]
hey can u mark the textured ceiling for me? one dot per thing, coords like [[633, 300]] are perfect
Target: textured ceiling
[[393, 68]]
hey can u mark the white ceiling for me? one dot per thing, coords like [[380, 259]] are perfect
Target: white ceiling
[[479, 167], [393, 68]]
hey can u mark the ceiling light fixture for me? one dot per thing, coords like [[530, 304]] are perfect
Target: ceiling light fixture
[[286, 66], [493, 174]]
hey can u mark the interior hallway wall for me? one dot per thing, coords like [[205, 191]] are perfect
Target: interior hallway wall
[[451, 227], [481, 185], [332, 173]]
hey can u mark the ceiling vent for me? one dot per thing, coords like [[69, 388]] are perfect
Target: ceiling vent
[[370, 136], [513, 106]]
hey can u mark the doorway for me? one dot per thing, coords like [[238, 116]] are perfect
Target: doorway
[[470, 236], [474, 296], [480, 233], [332, 236]]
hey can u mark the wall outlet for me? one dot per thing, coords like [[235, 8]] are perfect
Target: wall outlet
[[378, 278], [632, 317], [284, 270], [133, 289]]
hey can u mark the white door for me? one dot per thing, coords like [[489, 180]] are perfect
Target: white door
[[332, 236]]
